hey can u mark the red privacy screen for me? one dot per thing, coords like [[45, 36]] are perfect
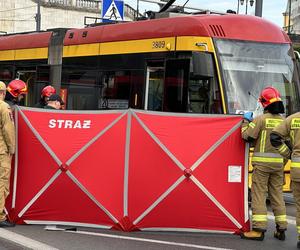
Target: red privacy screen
[[130, 170]]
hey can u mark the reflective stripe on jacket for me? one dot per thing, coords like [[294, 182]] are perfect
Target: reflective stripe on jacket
[[259, 130], [290, 129]]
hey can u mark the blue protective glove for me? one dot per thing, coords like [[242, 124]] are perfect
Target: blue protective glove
[[248, 116]]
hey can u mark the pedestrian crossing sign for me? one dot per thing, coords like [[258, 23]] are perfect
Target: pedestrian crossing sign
[[112, 10]]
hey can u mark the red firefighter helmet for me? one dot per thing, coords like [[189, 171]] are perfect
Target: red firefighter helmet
[[47, 91], [269, 95], [17, 87]]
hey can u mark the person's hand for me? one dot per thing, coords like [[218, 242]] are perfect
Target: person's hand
[[248, 116]]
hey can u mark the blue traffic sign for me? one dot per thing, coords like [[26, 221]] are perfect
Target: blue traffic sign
[[112, 10]]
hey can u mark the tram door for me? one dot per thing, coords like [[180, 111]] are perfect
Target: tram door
[[166, 85], [176, 85], [154, 86], [29, 77]]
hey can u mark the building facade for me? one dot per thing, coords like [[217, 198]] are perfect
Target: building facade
[[292, 17], [20, 15]]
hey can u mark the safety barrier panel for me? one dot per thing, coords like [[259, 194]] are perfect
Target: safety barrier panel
[[130, 170]]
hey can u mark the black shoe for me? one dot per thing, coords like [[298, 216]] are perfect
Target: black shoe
[[298, 244], [6, 223], [279, 234]]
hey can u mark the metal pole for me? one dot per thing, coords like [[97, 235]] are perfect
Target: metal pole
[[246, 7], [238, 7], [289, 24], [258, 8], [137, 9], [38, 16]]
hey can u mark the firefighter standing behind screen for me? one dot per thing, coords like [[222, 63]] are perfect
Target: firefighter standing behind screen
[[16, 90], [286, 139], [267, 166], [7, 149], [45, 94], [54, 102]]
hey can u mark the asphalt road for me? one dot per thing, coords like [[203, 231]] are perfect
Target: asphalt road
[[8, 245], [36, 237]]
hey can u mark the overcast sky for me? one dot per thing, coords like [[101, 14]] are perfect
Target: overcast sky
[[272, 9]]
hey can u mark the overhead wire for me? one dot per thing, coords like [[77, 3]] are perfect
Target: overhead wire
[[185, 3], [28, 7], [11, 18], [16, 16], [17, 20]]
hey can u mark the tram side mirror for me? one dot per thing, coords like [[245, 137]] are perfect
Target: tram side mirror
[[201, 65]]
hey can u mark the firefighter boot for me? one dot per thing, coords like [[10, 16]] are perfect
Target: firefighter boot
[[253, 235], [279, 233]]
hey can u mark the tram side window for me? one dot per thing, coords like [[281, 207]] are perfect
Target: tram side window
[[42, 80], [115, 90], [80, 97], [137, 89], [82, 88], [6, 73], [203, 89]]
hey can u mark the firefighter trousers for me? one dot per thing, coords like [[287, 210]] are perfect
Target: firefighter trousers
[[296, 193], [5, 168], [270, 183]]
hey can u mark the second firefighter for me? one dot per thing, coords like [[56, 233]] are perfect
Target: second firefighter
[[268, 164]]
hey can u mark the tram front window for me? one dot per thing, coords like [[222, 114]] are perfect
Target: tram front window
[[248, 67], [203, 87]]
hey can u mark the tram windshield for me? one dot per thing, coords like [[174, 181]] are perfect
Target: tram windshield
[[248, 67]]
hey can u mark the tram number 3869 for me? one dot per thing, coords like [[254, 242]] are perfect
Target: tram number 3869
[[158, 44]]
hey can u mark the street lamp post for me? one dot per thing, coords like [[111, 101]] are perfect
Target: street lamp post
[[258, 8], [289, 24], [137, 9], [242, 3], [38, 16]]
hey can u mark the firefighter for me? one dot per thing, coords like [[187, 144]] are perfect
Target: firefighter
[[16, 90], [54, 102], [45, 94], [286, 139], [7, 149], [268, 166]]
